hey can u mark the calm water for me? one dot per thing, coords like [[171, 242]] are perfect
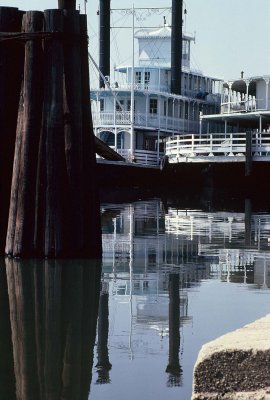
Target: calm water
[[173, 276]]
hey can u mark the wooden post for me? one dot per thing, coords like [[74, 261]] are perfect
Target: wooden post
[[54, 208], [72, 108], [248, 165], [11, 61], [52, 177], [20, 234]]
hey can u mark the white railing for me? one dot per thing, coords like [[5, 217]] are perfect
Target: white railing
[[145, 157], [217, 147], [110, 118], [145, 120], [238, 106]]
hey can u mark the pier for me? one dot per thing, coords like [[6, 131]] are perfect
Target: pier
[[235, 366]]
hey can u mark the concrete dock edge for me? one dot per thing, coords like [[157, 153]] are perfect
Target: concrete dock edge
[[236, 365]]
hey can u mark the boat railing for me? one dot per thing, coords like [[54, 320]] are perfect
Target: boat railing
[[147, 120], [142, 87], [144, 157], [217, 147], [238, 106]]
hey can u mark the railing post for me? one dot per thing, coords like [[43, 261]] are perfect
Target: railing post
[[211, 145], [231, 142], [192, 144]]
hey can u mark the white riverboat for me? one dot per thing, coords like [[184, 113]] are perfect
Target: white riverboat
[[137, 112], [240, 131]]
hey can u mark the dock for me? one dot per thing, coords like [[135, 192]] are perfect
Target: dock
[[236, 365]]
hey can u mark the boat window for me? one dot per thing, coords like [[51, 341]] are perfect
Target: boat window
[[153, 106], [146, 77], [138, 77], [165, 107], [129, 105], [102, 105], [117, 106], [185, 49]]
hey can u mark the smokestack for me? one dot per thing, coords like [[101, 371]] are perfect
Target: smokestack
[[67, 4], [104, 39], [176, 46]]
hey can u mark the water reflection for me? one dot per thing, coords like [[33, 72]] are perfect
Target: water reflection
[[49, 313], [103, 365], [154, 256]]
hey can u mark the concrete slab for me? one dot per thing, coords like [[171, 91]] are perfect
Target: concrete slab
[[236, 365]]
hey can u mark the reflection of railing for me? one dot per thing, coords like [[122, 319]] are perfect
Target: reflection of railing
[[194, 147]]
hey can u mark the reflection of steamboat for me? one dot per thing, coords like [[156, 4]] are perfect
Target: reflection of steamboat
[[141, 239], [152, 260]]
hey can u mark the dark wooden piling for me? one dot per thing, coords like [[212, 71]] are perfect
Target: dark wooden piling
[[54, 210], [53, 134], [248, 164], [11, 62], [21, 217], [72, 108]]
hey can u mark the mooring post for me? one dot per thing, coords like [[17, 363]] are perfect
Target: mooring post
[[11, 62], [20, 234], [248, 164], [53, 139], [54, 209]]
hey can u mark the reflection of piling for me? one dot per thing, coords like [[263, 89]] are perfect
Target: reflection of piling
[[54, 208], [21, 303], [103, 364], [53, 313], [248, 210], [7, 377], [11, 61], [174, 369]]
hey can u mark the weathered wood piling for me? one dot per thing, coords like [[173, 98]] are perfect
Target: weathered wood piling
[[54, 208], [11, 63]]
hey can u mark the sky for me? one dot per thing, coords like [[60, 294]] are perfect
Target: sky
[[231, 35]]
